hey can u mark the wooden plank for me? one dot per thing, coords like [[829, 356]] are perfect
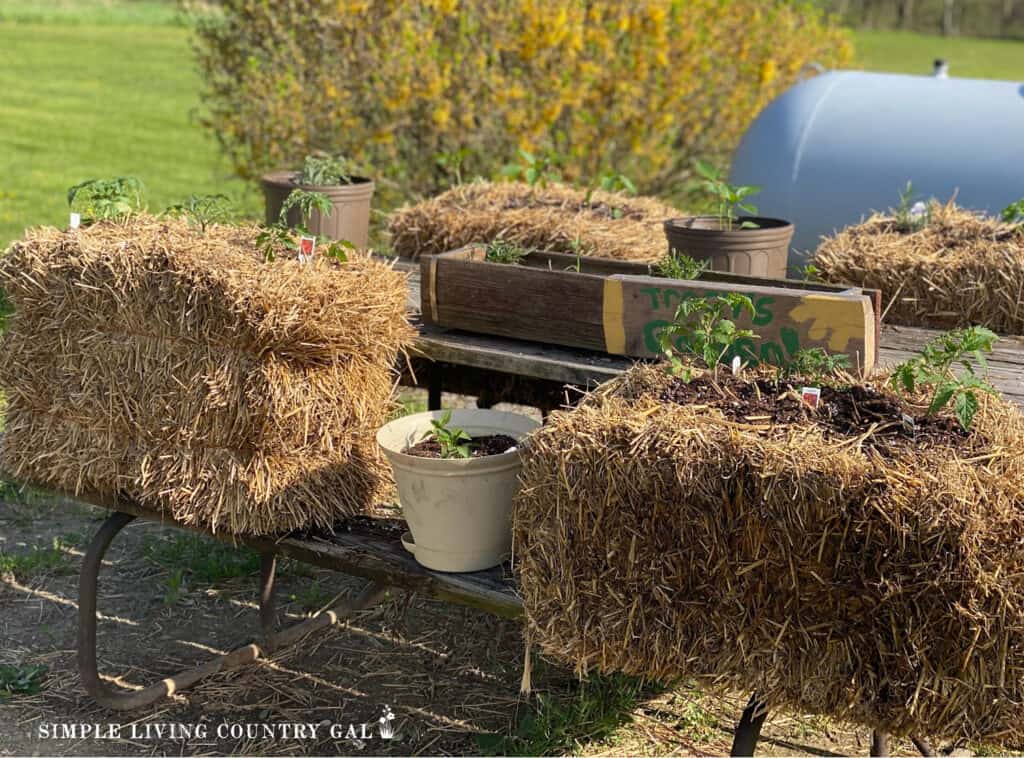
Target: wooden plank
[[577, 302], [637, 308], [354, 550]]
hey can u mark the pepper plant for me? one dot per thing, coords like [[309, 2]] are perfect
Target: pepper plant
[[454, 442], [934, 368], [730, 198]]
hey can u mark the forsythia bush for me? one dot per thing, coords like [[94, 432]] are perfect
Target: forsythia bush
[[638, 87]]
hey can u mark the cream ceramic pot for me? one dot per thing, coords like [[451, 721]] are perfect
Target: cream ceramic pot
[[459, 510]]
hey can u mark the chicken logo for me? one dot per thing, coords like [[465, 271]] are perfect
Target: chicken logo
[[387, 727]]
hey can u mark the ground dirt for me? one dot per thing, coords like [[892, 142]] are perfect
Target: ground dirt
[[449, 674]]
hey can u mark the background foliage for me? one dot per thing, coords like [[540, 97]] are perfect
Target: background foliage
[[639, 87]]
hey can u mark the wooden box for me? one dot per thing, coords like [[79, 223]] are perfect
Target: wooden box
[[619, 307]]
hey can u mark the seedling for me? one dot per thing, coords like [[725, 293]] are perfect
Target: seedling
[[612, 181], [815, 363], [807, 273], [910, 216], [451, 162], [306, 202], [504, 251], [454, 442], [730, 198], [699, 327], [578, 246], [275, 239], [202, 210], [98, 199], [327, 171], [1014, 213], [678, 265], [934, 368], [533, 170]]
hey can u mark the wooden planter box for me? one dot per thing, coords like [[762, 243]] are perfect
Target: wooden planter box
[[619, 307]]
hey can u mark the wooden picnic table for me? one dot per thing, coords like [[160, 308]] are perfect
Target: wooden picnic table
[[462, 362]]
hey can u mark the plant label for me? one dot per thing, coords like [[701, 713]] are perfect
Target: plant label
[[811, 396], [306, 247], [75, 221], [909, 426], [736, 364]]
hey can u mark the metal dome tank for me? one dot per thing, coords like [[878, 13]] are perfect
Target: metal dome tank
[[833, 148]]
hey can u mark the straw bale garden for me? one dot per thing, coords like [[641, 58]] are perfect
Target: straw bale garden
[[490, 417]]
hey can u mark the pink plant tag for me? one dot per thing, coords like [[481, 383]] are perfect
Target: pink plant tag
[[306, 247], [811, 396]]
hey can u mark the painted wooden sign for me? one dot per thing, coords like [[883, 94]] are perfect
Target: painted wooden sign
[[618, 307], [637, 308]]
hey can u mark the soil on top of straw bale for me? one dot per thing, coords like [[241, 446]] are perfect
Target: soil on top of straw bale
[[148, 358], [556, 218], [825, 558], [962, 269]]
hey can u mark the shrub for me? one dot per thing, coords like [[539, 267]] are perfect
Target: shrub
[[640, 88]]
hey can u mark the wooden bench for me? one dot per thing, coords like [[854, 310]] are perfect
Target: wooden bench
[[465, 363]]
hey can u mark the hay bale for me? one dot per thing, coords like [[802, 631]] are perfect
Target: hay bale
[[179, 368], [864, 575], [962, 269], [550, 218]]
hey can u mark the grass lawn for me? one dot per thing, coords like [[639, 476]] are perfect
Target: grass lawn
[[908, 53], [95, 90]]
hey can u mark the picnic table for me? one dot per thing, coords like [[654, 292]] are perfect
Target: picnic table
[[461, 362]]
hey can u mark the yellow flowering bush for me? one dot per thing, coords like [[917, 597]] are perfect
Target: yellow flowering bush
[[639, 87]]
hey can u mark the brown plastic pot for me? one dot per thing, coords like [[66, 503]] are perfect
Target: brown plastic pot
[[755, 252], [350, 207]]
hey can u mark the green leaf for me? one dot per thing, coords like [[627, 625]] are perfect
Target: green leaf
[[964, 407], [707, 171], [528, 156]]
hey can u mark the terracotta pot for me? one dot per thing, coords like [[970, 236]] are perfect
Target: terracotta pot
[[754, 252], [459, 510], [350, 214]]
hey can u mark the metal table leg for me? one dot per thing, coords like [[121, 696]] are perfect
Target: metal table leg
[[879, 743], [748, 730], [125, 701]]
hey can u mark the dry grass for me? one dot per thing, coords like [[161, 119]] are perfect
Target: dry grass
[[182, 369], [960, 270], [878, 584], [555, 218]]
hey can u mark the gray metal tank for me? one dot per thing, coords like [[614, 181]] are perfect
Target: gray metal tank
[[833, 148]]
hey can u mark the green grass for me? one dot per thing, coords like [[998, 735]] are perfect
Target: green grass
[[100, 89], [52, 559], [200, 558], [21, 680], [908, 53], [561, 725]]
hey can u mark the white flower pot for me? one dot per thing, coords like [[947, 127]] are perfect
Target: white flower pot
[[459, 510]]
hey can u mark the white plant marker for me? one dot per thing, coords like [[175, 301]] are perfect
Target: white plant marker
[[909, 426], [736, 364], [811, 396], [75, 221], [306, 247]]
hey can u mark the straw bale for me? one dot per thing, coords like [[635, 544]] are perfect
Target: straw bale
[[549, 218], [875, 580], [147, 358], [962, 269]]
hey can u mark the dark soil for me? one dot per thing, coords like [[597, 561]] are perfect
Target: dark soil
[[600, 210], [846, 411], [480, 447]]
